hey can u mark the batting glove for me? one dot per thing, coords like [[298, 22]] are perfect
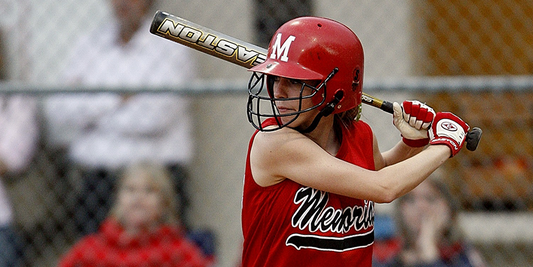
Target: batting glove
[[450, 130], [413, 120]]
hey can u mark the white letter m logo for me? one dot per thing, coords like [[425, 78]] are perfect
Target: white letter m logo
[[281, 50]]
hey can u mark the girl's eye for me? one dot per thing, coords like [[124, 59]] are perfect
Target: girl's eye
[[293, 81]]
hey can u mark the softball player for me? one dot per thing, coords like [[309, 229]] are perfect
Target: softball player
[[314, 170]]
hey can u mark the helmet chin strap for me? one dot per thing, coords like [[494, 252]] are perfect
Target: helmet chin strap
[[326, 111]]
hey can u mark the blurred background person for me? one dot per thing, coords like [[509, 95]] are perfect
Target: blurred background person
[[428, 232], [142, 229], [95, 134], [19, 136]]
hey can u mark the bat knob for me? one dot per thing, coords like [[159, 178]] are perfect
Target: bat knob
[[472, 138]]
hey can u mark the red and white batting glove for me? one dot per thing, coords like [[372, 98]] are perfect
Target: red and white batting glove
[[450, 130], [413, 119]]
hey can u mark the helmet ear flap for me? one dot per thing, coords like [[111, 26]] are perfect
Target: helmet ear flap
[[356, 79], [330, 107]]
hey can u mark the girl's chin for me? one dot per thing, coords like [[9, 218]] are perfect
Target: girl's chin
[[291, 120]]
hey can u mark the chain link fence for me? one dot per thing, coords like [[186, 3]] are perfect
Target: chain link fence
[[473, 58]]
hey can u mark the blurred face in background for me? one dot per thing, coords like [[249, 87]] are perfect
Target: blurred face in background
[[425, 206], [139, 202], [130, 14]]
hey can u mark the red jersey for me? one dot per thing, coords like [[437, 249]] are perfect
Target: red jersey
[[112, 247], [288, 224]]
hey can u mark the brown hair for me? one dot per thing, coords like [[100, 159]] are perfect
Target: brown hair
[[347, 117]]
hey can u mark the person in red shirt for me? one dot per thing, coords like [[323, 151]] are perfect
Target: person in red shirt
[[142, 229], [313, 169]]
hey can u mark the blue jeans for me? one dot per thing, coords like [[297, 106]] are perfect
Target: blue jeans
[[10, 247]]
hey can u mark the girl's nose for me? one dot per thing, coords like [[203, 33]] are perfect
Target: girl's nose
[[280, 87]]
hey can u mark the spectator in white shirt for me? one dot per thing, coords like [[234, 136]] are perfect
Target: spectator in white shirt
[[101, 133]]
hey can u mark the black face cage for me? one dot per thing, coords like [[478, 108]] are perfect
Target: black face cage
[[257, 96]]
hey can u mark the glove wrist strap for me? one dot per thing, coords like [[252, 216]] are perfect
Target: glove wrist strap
[[416, 142]]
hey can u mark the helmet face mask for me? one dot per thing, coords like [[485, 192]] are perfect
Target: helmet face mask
[[308, 49], [256, 96]]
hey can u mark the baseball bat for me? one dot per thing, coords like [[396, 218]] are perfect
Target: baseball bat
[[244, 54]]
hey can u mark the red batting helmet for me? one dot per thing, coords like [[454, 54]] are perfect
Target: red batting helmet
[[311, 48]]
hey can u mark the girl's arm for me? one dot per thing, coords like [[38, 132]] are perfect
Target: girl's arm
[[287, 154], [398, 153]]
